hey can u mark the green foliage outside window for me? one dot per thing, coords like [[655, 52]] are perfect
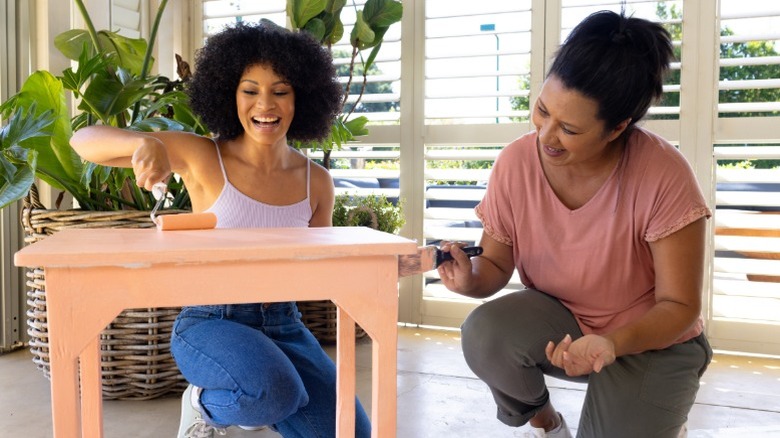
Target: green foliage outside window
[[374, 211]]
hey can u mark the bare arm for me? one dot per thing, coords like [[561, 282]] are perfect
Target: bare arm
[[109, 146], [322, 194], [152, 155], [481, 276], [679, 267]]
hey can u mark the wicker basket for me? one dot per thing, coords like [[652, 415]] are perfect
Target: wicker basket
[[136, 363]]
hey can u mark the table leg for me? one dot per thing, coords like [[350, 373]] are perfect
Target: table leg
[[384, 367], [345, 375], [63, 364], [91, 391]]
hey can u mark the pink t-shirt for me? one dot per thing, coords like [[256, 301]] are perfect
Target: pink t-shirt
[[596, 259]]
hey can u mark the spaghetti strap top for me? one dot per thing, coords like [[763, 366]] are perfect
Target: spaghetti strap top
[[234, 209]]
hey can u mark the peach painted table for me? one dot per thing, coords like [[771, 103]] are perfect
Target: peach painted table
[[92, 275]]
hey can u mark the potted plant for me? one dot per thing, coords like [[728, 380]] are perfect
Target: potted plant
[[111, 85]]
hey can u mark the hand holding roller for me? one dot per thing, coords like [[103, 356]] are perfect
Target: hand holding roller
[[184, 221]]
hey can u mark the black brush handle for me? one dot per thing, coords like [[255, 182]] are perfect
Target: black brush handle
[[471, 251]]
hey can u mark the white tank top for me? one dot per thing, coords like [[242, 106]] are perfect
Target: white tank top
[[237, 210]]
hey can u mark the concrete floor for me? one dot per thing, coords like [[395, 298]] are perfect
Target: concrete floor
[[437, 397]]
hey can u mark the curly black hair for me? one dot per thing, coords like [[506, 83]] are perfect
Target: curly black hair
[[295, 56]]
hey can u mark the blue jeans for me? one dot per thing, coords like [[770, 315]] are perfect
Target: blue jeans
[[259, 365]]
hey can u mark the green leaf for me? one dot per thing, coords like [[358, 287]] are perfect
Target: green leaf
[[379, 35], [382, 13], [158, 124], [357, 126], [40, 94], [127, 53], [371, 57], [72, 42], [8, 169], [335, 6], [107, 96], [88, 173], [183, 114], [361, 33], [304, 10], [87, 67], [24, 125], [17, 180], [316, 28], [337, 31], [17, 186]]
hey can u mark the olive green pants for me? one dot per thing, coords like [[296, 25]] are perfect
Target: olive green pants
[[639, 395]]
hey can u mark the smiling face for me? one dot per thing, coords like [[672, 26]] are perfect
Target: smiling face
[[569, 131], [265, 104]]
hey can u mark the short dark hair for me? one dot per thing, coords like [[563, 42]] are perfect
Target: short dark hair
[[295, 56], [618, 61]]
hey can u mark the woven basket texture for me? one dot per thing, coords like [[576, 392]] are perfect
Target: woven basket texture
[[136, 362]]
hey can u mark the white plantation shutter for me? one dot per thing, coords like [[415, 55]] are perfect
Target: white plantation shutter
[[219, 13], [744, 25], [745, 304], [477, 57], [127, 18]]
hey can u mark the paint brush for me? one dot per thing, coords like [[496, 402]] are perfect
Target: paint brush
[[429, 258], [182, 221]]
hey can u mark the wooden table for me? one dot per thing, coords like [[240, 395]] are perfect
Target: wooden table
[[92, 275]]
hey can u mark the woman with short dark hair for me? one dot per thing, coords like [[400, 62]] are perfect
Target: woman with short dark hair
[[605, 223]]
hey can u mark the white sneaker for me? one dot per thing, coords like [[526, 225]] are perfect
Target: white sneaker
[[561, 431], [192, 424], [253, 428]]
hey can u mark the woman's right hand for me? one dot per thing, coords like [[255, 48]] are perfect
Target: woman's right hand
[[150, 163], [478, 277], [456, 273]]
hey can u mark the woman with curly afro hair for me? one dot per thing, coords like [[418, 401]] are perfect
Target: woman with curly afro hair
[[256, 87]]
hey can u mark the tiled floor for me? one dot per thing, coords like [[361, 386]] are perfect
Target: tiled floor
[[438, 397]]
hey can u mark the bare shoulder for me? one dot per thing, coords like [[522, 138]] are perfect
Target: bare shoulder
[[187, 151], [320, 175], [322, 190]]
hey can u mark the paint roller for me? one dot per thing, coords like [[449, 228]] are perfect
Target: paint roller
[[183, 221]]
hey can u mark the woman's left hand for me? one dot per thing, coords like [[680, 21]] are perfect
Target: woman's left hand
[[587, 354]]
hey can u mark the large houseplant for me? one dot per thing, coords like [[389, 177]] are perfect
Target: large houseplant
[[110, 85]]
